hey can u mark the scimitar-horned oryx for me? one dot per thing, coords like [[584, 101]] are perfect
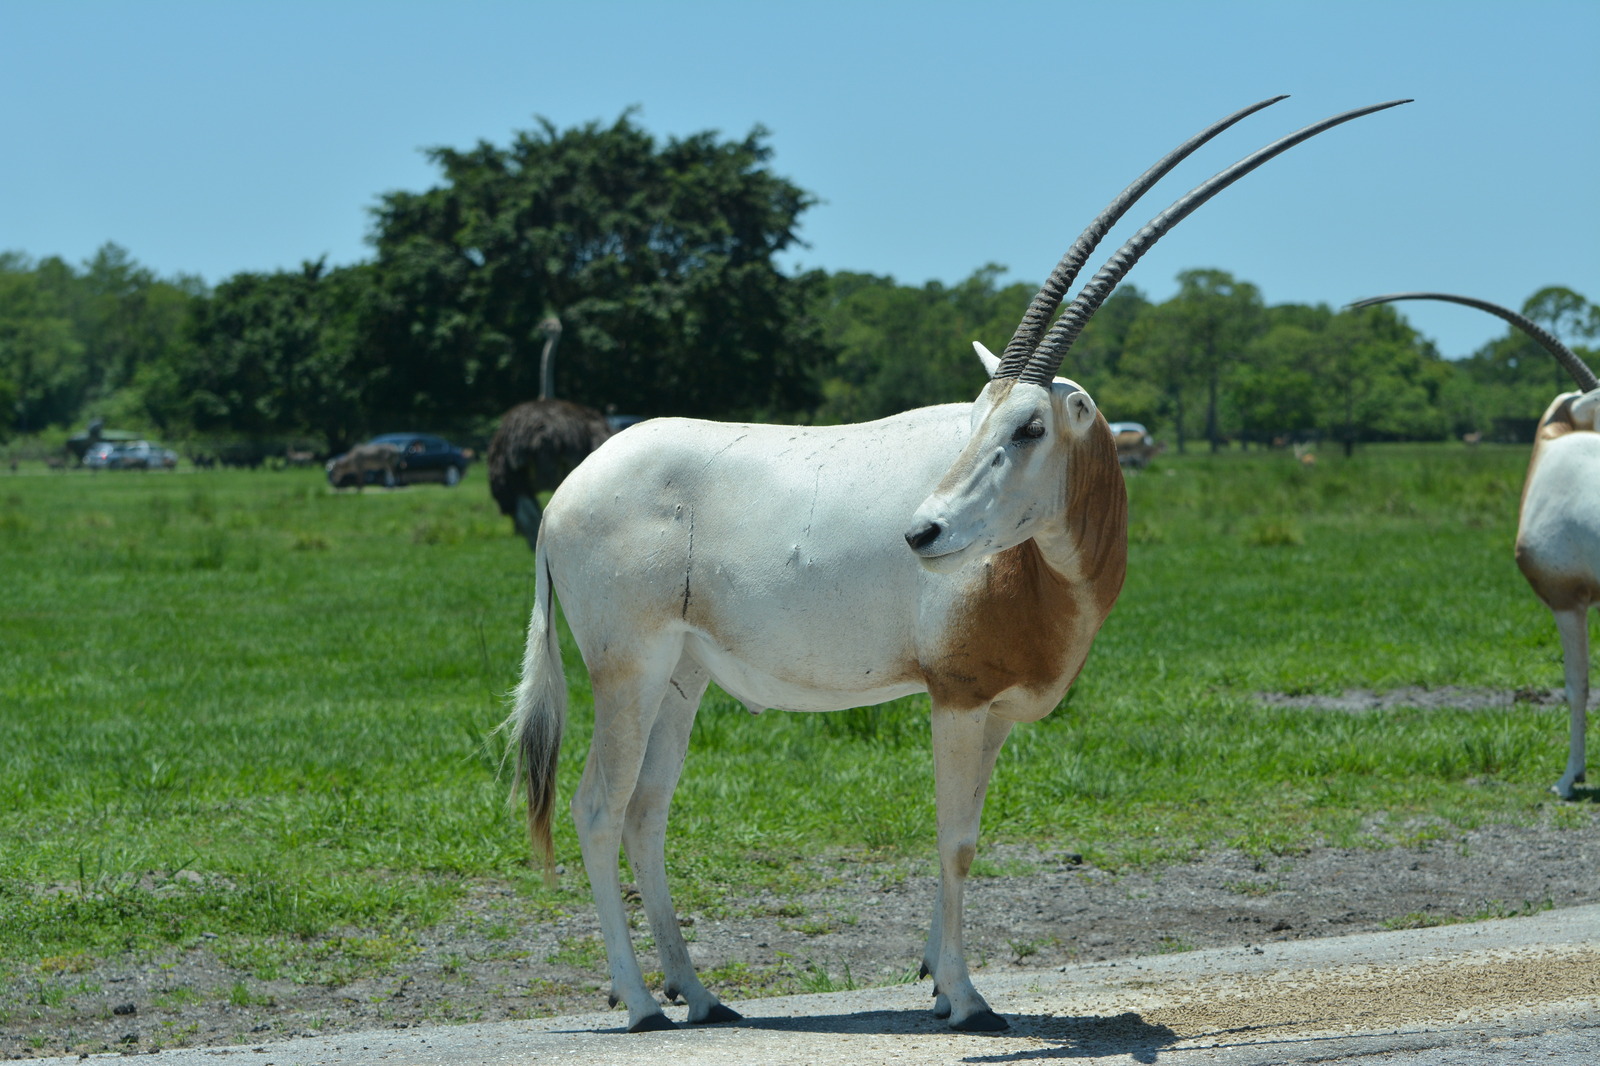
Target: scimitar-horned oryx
[[970, 551], [1558, 531]]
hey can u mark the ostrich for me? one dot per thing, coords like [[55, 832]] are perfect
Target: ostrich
[[539, 443]]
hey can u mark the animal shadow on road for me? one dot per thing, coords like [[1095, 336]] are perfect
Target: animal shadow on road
[[1085, 1037]]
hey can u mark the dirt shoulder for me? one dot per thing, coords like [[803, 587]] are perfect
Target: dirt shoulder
[[863, 925]]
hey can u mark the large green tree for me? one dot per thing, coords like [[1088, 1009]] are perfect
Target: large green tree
[[659, 259], [41, 355], [900, 346], [1193, 341], [275, 355], [90, 342], [1380, 381]]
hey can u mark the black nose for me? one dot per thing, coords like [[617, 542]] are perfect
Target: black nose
[[923, 535]]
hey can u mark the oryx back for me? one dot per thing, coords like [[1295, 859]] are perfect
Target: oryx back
[[773, 555]]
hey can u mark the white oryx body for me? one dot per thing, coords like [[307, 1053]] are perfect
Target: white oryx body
[[802, 595], [1558, 528], [1558, 546], [775, 560]]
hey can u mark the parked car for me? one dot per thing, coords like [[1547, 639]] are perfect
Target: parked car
[[130, 455], [423, 457]]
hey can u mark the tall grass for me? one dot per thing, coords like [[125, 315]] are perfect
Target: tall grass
[[240, 703]]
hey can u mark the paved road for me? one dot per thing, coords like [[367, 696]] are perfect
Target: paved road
[[1465, 995]]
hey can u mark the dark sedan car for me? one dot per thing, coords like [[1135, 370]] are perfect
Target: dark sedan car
[[423, 457]]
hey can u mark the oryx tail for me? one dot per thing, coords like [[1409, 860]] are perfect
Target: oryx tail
[[540, 712]]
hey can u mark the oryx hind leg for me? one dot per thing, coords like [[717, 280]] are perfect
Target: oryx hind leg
[[1573, 625], [644, 835], [965, 745], [628, 695]]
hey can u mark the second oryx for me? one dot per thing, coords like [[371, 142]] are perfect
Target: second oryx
[[1558, 527]]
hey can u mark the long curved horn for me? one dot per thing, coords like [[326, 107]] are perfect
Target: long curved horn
[[1548, 341], [1046, 359], [1048, 300]]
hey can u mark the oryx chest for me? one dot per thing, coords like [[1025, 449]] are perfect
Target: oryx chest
[[1015, 637]]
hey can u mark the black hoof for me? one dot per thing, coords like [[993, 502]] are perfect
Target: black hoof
[[923, 971], [984, 1021], [612, 999], [672, 994], [718, 1015], [651, 1023]]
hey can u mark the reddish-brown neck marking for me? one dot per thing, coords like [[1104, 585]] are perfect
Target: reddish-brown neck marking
[[1026, 623]]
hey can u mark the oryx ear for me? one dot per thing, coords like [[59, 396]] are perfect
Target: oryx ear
[[990, 361], [1080, 411], [1586, 410]]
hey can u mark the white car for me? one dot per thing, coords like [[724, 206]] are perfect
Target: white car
[[1135, 446]]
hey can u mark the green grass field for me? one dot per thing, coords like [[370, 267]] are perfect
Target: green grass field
[[241, 704]]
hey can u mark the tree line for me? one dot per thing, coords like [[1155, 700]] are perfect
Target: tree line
[[660, 260]]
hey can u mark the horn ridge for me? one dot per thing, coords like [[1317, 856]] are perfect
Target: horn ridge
[[1575, 366], [1047, 357], [1044, 305]]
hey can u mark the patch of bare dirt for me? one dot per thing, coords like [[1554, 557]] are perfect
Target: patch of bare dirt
[[1415, 697], [863, 924]]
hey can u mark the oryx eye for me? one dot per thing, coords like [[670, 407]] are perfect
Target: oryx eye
[[1030, 430]]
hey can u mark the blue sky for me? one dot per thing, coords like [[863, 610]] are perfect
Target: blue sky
[[218, 137]]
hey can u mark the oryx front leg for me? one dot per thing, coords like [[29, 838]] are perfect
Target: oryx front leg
[[627, 701], [1574, 628], [644, 835], [965, 745]]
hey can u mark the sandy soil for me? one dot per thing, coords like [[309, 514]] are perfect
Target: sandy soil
[[863, 925]]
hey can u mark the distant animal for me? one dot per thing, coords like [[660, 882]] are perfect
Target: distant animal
[[970, 551], [1558, 530], [1135, 446], [298, 457], [1472, 439], [1305, 453], [352, 467], [539, 443]]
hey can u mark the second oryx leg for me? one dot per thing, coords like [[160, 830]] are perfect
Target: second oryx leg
[[965, 745], [1574, 628]]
